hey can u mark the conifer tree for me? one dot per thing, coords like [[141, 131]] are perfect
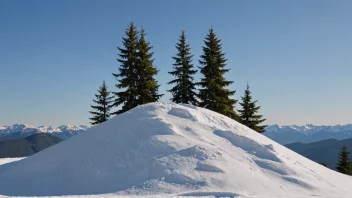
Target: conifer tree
[[184, 89], [344, 165], [127, 77], [248, 113], [213, 93], [324, 164], [104, 104], [146, 86]]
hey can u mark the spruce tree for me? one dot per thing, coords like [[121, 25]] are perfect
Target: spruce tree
[[324, 164], [213, 93], [248, 113], [146, 86], [184, 89], [104, 104], [127, 77], [344, 164]]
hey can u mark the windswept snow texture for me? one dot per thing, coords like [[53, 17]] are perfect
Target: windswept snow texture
[[159, 149]]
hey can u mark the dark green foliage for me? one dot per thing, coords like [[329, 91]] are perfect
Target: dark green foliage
[[127, 76], [324, 164], [213, 94], [102, 109], [343, 164], [136, 73], [184, 89], [146, 86], [248, 113]]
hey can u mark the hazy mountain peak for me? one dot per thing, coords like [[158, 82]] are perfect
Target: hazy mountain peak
[[23, 130], [307, 133]]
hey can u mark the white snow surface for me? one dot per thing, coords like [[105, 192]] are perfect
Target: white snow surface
[[160, 150], [9, 160]]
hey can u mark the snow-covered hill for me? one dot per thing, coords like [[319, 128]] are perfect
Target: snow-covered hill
[[23, 130], [307, 133], [159, 149]]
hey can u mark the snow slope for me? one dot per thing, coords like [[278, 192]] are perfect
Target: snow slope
[[307, 133], [159, 149], [9, 160]]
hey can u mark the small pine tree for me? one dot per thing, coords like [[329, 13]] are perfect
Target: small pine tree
[[184, 90], [146, 86], [248, 113], [343, 164], [213, 94], [102, 109], [127, 77]]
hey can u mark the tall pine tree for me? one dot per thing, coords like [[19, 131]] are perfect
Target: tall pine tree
[[344, 165], [184, 89], [127, 76], [146, 86], [248, 113], [213, 94], [104, 104]]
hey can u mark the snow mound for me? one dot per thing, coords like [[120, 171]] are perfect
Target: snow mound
[[182, 113], [159, 149]]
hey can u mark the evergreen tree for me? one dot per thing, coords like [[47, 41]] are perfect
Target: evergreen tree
[[324, 164], [213, 94], [146, 86], [343, 164], [248, 113], [184, 90], [104, 104], [127, 77]]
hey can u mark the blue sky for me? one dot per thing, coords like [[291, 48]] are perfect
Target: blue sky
[[296, 55]]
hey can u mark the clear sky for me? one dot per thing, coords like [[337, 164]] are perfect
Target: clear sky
[[296, 55]]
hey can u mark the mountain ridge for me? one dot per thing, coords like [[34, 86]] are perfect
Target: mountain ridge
[[283, 134], [314, 150], [25, 130], [310, 128], [307, 133], [25, 146]]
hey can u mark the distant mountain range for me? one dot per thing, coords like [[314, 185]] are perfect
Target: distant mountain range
[[307, 133], [311, 141], [325, 151], [22, 130], [281, 134], [25, 146]]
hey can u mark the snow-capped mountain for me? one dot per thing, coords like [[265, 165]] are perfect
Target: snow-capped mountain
[[166, 150], [281, 134], [307, 133], [23, 130]]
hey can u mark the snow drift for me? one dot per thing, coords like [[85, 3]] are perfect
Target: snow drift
[[163, 148]]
